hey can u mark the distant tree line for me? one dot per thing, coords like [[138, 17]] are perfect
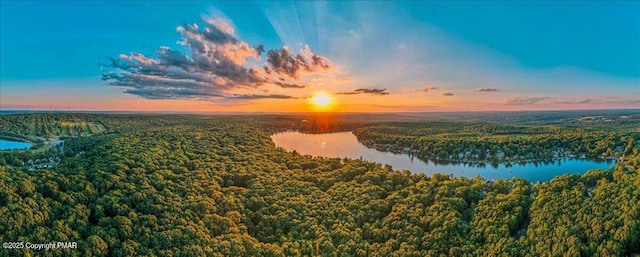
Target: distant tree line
[[495, 143]]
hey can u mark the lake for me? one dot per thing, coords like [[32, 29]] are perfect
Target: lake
[[12, 145], [345, 144]]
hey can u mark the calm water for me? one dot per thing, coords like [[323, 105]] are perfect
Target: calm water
[[11, 145], [345, 144]]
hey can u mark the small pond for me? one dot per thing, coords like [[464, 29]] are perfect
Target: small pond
[[13, 145]]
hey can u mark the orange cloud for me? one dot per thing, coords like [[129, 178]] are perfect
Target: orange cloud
[[343, 80]]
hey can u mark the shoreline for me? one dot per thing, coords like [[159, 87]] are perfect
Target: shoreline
[[16, 139]]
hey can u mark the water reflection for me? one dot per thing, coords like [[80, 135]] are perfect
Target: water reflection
[[345, 144]]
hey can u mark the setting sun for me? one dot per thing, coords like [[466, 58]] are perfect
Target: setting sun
[[321, 99]]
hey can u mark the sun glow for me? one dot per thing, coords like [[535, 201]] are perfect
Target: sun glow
[[321, 100]]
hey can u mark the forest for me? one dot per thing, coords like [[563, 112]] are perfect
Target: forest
[[499, 143], [216, 185]]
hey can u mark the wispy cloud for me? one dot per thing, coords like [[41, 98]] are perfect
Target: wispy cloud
[[261, 97], [343, 80], [218, 64], [584, 101], [404, 107], [637, 101], [428, 88], [24, 106], [285, 85], [373, 91], [486, 89], [446, 94], [523, 100]]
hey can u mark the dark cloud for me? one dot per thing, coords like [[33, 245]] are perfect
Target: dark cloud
[[488, 89], [585, 101], [285, 85], [523, 100], [261, 97], [217, 64], [161, 93], [428, 88], [446, 94], [284, 62], [373, 91]]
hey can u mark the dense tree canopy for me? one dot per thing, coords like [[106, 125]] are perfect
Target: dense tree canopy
[[498, 143], [182, 185]]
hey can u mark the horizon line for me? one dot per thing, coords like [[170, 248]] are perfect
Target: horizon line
[[302, 112]]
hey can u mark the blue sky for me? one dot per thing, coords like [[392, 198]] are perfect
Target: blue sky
[[381, 56]]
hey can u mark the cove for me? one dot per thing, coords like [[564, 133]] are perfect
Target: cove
[[345, 144], [13, 145]]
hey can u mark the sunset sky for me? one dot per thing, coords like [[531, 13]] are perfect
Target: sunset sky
[[368, 56]]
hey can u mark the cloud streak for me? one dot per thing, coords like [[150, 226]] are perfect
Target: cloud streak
[[523, 100], [446, 94], [373, 91], [217, 66], [487, 89], [585, 101], [637, 101], [261, 97], [428, 88]]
